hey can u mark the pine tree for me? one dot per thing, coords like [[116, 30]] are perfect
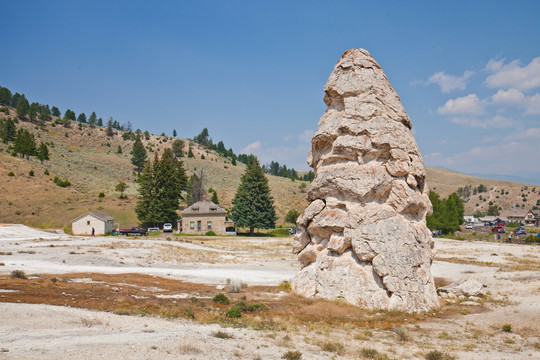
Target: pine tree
[[43, 152], [174, 133], [25, 143], [190, 153], [195, 187], [110, 125], [100, 122], [215, 199], [119, 151], [121, 187], [23, 107], [81, 118], [8, 130], [5, 96], [33, 111], [253, 205], [55, 111], [178, 148], [138, 153], [92, 119], [161, 185]]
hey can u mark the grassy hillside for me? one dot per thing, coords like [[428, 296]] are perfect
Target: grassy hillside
[[88, 158]]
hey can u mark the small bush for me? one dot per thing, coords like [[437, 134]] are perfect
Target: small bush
[[31, 173], [11, 173], [507, 328], [292, 355], [221, 299], [369, 353], [438, 355], [234, 312], [285, 286], [189, 313], [18, 274], [101, 195], [122, 312], [334, 347], [401, 333], [46, 172], [61, 183], [222, 335], [210, 233]]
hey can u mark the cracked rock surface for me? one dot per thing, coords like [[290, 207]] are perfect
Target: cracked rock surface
[[363, 238]]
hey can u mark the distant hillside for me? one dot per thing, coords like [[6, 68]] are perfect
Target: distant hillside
[[88, 158]]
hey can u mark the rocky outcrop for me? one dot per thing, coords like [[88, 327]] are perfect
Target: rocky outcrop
[[363, 238]]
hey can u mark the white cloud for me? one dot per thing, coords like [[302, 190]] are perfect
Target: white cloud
[[306, 136], [251, 147], [513, 75], [467, 105], [532, 106], [510, 96], [531, 133], [497, 121], [450, 82]]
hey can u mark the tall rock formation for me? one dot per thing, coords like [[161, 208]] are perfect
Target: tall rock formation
[[363, 238]]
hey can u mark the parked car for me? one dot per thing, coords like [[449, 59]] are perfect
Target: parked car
[[133, 231], [520, 231], [154, 228], [167, 227], [498, 229], [487, 223], [468, 225]]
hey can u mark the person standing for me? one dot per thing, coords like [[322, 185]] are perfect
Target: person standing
[[93, 231]]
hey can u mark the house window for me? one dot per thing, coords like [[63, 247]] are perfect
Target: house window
[[213, 209], [192, 225], [88, 222], [209, 225]]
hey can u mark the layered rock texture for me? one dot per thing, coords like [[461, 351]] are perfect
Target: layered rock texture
[[363, 238]]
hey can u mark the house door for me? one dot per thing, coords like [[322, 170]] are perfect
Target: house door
[[198, 226]]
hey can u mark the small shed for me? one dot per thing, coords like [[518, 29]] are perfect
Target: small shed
[[204, 216], [101, 222]]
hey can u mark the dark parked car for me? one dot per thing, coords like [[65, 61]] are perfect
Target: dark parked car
[[520, 231], [133, 231]]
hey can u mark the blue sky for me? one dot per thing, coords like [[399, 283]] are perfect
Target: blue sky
[[253, 72]]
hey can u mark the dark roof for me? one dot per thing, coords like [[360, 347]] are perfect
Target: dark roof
[[97, 214], [204, 207]]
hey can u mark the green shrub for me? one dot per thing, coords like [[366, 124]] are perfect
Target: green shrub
[[369, 353], [438, 355], [210, 233], [11, 173], [46, 172], [221, 299], [189, 313], [61, 183], [234, 312], [31, 173], [507, 328], [292, 355], [285, 286], [101, 195], [334, 347]]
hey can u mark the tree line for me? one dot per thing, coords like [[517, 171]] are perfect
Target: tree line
[[448, 214], [21, 141]]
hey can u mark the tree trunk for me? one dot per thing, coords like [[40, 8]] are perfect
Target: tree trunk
[[251, 231]]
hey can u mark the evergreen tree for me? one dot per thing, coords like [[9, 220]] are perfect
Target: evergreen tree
[[110, 125], [92, 119], [100, 122], [23, 107], [43, 152], [178, 148], [81, 118], [25, 143], [203, 138], [195, 187], [8, 130], [138, 153], [33, 111], [291, 216], [45, 113], [5, 96], [160, 190], [215, 199], [55, 111], [119, 151], [253, 206], [15, 99], [146, 135], [190, 153], [69, 114], [174, 133]]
